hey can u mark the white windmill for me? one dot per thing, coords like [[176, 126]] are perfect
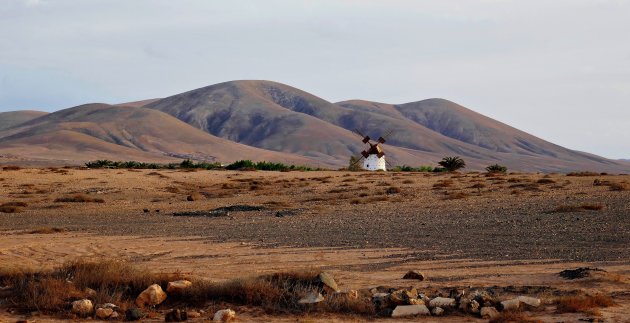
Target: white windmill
[[374, 157]]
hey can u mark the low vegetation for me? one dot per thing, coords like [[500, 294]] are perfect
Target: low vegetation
[[79, 198], [405, 168], [452, 164], [496, 168], [12, 207], [583, 304]]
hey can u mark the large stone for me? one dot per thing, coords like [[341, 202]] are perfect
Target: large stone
[[224, 315], [134, 314], [410, 310], [330, 285], [442, 302], [402, 296], [104, 313], [82, 307], [312, 298], [178, 286], [193, 314], [414, 274], [531, 301], [151, 296], [510, 304], [437, 311], [488, 312]]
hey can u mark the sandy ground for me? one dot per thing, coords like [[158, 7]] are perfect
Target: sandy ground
[[367, 229]]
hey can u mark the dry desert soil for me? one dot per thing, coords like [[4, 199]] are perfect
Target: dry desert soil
[[510, 233]]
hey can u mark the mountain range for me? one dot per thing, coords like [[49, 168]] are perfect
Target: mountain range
[[264, 120]]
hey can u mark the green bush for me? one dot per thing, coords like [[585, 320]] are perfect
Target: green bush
[[452, 164], [496, 168], [405, 168]]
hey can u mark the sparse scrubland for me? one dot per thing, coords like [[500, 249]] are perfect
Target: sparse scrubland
[[256, 241]]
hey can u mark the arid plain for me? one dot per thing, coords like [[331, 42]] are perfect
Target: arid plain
[[512, 234]]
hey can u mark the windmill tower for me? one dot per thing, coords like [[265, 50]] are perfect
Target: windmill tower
[[374, 157]]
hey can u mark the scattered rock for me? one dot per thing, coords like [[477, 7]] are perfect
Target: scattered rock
[[410, 310], [82, 307], [114, 316], [531, 301], [414, 274], [488, 312], [151, 296], [104, 313], [403, 296], [193, 314], [329, 284], [442, 302], [437, 311], [194, 197], [178, 286], [351, 294], [510, 304], [473, 306], [578, 273], [108, 305], [416, 301], [312, 298], [89, 292], [224, 315], [222, 211], [134, 314], [176, 315]]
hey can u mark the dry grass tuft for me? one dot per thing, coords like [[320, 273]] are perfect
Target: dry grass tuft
[[393, 190], [7, 168], [456, 196], [47, 230], [513, 317], [583, 304], [443, 184], [79, 198], [619, 187], [12, 207], [546, 181], [583, 174], [578, 208]]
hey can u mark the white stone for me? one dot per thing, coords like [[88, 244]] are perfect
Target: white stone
[[511, 304], [151, 296], [178, 286], [442, 302], [488, 312], [82, 307], [312, 298], [224, 315], [410, 310], [531, 301], [103, 313], [438, 311]]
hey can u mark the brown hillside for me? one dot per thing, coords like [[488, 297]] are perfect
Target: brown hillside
[[14, 118], [100, 131]]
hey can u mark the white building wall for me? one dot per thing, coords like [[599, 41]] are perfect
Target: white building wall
[[372, 162]]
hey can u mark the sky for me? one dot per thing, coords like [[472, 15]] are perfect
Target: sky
[[558, 69]]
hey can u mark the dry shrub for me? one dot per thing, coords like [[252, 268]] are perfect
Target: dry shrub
[[47, 230], [355, 201], [393, 190], [478, 186], [194, 197], [592, 206], [456, 196], [79, 198], [12, 207], [583, 174], [619, 186], [11, 168], [513, 317], [408, 181], [546, 181], [583, 304], [443, 184], [349, 180]]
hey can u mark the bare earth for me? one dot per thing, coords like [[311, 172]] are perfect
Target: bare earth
[[367, 229]]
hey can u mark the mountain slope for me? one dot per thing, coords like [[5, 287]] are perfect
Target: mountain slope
[[279, 117], [100, 131], [14, 118]]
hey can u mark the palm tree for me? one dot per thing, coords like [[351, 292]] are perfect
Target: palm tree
[[452, 164]]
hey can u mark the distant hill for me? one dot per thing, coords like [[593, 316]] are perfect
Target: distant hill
[[264, 120], [279, 117], [101, 131], [14, 118]]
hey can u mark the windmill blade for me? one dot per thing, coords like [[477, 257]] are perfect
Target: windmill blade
[[358, 132], [356, 162], [388, 163], [387, 134]]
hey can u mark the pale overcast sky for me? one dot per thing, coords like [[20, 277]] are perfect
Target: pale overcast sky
[[557, 69]]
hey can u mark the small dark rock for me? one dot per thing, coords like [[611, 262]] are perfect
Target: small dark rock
[[578, 273], [414, 274], [176, 315], [146, 210], [134, 314]]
